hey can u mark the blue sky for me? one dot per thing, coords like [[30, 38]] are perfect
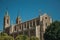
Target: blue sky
[[29, 9]]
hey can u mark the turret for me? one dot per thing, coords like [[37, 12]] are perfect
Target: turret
[[6, 20], [18, 20]]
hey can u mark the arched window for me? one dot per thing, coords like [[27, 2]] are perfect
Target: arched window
[[27, 24], [38, 22], [20, 27], [30, 24], [46, 25], [45, 17], [15, 28], [7, 21], [34, 23]]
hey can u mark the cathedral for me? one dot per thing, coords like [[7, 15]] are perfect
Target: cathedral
[[34, 27]]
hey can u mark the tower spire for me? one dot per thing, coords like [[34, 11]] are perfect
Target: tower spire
[[18, 13], [6, 21], [6, 13], [18, 19]]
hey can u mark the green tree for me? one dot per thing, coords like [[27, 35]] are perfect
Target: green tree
[[53, 31], [1, 38], [34, 38], [4, 36], [21, 37]]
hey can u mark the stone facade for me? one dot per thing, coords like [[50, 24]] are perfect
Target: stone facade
[[35, 27]]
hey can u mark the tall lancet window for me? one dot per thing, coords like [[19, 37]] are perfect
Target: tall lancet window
[[34, 23], [31, 24], [7, 21], [46, 25], [37, 22]]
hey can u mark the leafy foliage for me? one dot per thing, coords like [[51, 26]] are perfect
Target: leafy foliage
[[4, 36], [34, 38], [21, 37], [53, 31], [7, 38]]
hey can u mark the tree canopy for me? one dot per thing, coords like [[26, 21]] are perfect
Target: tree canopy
[[4, 36], [24, 37], [21, 37], [34, 38], [53, 31]]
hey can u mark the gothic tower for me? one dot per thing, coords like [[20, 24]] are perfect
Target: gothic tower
[[6, 21], [46, 21], [18, 20]]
